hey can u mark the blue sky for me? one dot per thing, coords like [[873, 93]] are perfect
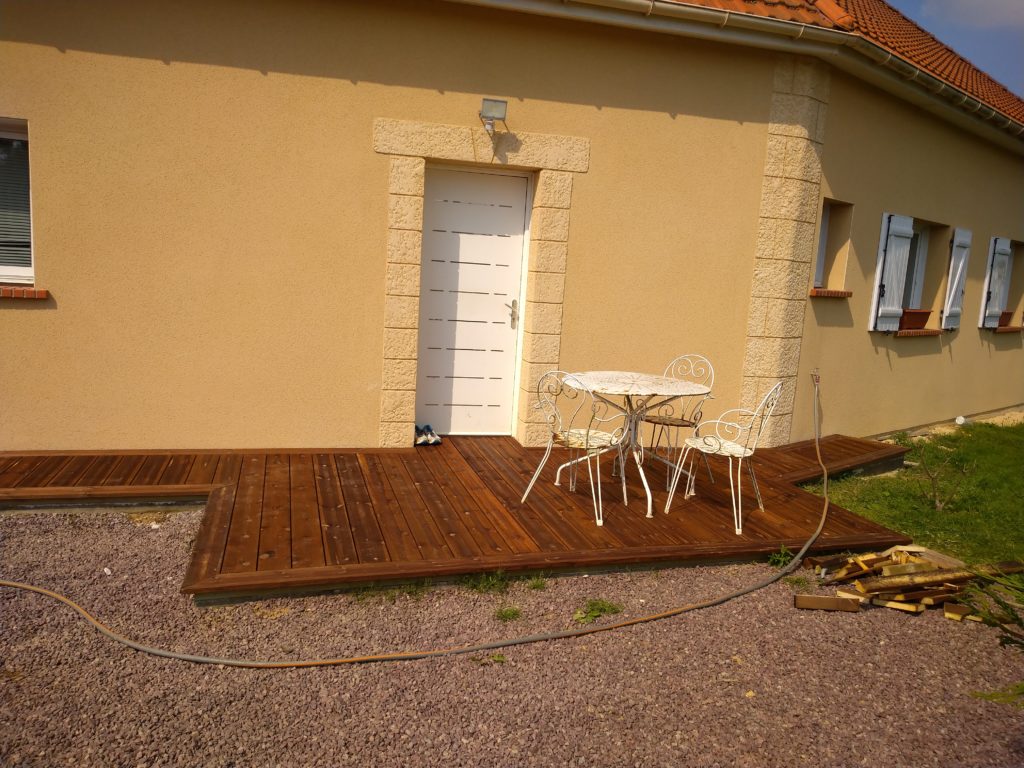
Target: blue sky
[[988, 33]]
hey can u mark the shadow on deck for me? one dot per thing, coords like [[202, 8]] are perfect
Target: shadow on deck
[[318, 520]]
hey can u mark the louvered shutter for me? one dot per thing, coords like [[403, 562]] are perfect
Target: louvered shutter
[[894, 252], [15, 221], [997, 286], [959, 252]]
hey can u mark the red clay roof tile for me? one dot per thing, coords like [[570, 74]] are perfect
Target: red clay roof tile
[[799, 11], [882, 24], [877, 21]]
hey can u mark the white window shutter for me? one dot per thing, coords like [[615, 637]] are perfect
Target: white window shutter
[[997, 285], [959, 253], [893, 254]]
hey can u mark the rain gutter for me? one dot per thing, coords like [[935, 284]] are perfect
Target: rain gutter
[[848, 52]]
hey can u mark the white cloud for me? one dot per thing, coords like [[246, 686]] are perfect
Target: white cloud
[[976, 13]]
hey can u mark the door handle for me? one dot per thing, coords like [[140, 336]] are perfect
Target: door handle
[[513, 313]]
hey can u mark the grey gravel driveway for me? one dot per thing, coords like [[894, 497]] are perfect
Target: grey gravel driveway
[[750, 683]]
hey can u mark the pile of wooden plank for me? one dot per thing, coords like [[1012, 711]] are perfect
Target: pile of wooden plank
[[905, 578]]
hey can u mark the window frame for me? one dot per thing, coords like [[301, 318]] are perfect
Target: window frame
[[17, 130]]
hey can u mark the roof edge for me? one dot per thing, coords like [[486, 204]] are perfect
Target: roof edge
[[847, 51]]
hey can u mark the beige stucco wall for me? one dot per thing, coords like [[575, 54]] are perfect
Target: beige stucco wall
[[211, 217], [882, 155]]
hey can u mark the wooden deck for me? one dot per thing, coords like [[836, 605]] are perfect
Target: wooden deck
[[310, 520]]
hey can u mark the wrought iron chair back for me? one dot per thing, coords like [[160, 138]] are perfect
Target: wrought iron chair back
[[734, 435], [741, 427], [668, 419], [569, 407], [691, 367], [581, 423]]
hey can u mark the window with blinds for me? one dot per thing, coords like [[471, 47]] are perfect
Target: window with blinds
[[15, 213]]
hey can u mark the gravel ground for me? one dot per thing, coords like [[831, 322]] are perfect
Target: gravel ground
[[751, 683]]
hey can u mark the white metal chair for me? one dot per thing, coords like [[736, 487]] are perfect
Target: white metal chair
[[683, 413], [733, 435], [584, 425]]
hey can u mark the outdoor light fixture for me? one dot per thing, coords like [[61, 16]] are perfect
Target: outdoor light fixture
[[492, 110]]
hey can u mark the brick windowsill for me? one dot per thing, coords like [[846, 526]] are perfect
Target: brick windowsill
[[918, 332], [1009, 329], [22, 292], [827, 293]]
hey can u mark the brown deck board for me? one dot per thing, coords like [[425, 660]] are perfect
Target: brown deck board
[[177, 469], [495, 513], [527, 515], [339, 548], [275, 549], [307, 549], [72, 471], [426, 533], [125, 470], [98, 470], [453, 493], [241, 551], [366, 533], [211, 540], [573, 512], [42, 472], [458, 535], [319, 519], [151, 469], [394, 527], [203, 468]]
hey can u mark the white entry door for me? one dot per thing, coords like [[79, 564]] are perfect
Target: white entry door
[[474, 228]]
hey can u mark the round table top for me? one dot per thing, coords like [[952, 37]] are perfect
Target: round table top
[[633, 384]]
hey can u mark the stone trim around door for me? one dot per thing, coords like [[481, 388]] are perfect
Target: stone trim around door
[[555, 160]]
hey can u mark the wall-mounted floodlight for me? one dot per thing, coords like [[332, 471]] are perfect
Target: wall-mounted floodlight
[[492, 110]]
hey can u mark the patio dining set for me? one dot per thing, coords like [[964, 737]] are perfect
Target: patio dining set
[[592, 413]]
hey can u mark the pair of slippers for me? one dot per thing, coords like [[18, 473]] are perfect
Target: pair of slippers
[[426, 436]]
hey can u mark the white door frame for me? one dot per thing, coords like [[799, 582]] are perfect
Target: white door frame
[[524, 273], [551, 162]]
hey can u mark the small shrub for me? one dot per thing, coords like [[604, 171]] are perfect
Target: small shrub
[[537, 582], [780, 559], [594, 609], [507, 613]]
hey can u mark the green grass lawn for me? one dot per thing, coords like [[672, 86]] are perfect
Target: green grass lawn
[[976, 474]]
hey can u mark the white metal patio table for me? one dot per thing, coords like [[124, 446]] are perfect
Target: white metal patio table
[[637, 391]]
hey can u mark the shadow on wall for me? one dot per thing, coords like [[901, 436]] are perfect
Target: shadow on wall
[[1000, 342], [908, 346], [832, 313], [434, 46]]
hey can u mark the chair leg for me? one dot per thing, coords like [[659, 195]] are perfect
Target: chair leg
[[622, 475], [536, 474], [675, 479], [737, 495], [691, 480], [757, 491], [569, 463], [595, 490]]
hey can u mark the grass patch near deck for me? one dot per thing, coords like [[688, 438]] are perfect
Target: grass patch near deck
[[962, 493]]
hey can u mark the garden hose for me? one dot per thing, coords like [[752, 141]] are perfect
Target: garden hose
[[478, 647]]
